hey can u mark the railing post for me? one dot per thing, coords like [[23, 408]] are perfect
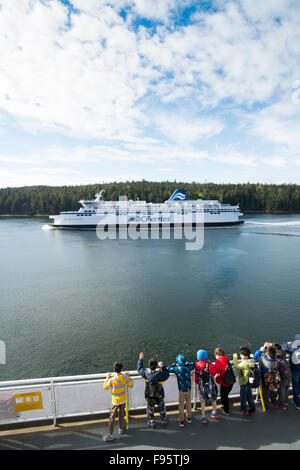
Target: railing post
[[127, 406], [194, 390], [53, 402], [128, 397]]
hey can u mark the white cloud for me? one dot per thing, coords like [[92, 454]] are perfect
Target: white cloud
[[279, 124], [87, 79], [155, 9], [66, 78], [155, 94], [276, 161], [186, 129], [236, 158], [268, 9], [41, 176]]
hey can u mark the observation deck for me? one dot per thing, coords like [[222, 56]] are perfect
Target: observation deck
[[65, 413]]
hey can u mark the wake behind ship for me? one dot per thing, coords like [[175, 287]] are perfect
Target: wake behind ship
[[177, 211]]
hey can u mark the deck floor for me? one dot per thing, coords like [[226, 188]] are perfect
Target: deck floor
[[278, 430]]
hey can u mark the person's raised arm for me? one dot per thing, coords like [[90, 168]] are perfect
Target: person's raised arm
[[164, 371], [140, 365]]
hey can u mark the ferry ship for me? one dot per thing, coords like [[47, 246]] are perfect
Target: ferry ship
[[177, 211]]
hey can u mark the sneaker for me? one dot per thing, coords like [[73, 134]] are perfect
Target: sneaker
[[121, 431], [283, 407], [245, 413], [181, 423], [108, 437], [164, 422], [214, 415], [252, 412], [151, 424], [297, 406], [223, 411], [203, 420], [189, 420], [275, 405]]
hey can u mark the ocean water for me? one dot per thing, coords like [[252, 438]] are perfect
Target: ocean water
[[73, 304]]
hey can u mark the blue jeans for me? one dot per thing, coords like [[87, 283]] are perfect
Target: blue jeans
[[296, 386], [246, 396]]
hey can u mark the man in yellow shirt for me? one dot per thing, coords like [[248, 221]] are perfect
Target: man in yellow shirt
[[117, 384]]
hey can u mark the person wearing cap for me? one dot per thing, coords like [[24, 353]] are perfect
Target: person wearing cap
[[182, 369], [204, 378], [293, 350]]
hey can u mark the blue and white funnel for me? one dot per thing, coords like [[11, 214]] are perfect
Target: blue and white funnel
[[179, 195]]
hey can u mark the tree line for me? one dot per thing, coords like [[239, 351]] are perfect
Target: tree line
[[33, 200]]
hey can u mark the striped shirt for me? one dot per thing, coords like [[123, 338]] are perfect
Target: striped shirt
[[117, 385]]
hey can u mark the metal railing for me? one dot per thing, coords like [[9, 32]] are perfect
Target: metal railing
[[52, 398]]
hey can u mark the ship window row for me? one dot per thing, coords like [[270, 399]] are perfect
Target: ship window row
[[150, 213]]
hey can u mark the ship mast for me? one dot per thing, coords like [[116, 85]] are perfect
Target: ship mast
[[98, 196]]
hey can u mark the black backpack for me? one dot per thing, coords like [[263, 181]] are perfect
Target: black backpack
[[153, 390], [207, 385], [204, 375], [254, 376], [228, 377]]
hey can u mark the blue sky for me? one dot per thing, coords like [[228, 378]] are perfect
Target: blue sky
[[94, 91]]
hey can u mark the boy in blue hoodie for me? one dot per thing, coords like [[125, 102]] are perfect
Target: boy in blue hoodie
[[182, 369], [154, 390]]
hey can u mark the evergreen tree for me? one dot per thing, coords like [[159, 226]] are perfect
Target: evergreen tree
[[33, 200]]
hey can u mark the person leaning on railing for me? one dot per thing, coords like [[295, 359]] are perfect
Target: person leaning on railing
[[117, 384], [270, 376], [207, 388], [293, 350], [154, 390], [182, 369], [222, 364], [285, 376], [243, 368]]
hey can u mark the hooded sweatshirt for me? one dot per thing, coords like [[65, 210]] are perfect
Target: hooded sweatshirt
[[220, 365], [158, 376], [265, 363], [293, 351], [182, 369], [243, 368]]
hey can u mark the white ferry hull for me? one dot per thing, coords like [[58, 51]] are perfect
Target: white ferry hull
[[178, 211], [117, 226], [72, 222]]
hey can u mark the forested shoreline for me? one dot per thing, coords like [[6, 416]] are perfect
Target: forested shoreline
[[44, 200]]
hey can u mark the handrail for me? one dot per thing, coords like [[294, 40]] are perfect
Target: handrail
[[54, 379], [55, 390]]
